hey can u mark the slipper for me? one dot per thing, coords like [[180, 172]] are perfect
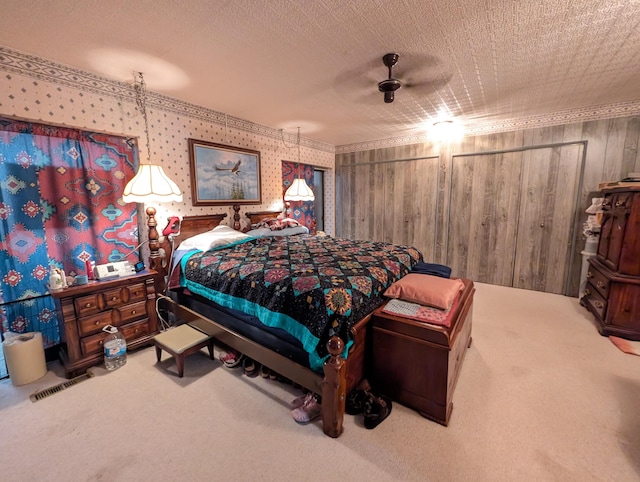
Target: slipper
[[249, 367], [308, 412], [265, 372], [300, 401], [376, 409]]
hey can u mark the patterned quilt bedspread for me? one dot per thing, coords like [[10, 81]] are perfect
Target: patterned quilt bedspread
[[312, 287]]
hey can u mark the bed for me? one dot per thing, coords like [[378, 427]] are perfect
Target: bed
[[337, 362]]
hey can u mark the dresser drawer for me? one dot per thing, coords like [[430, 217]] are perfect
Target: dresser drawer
[[94, 323], [95, 343], [599, 281], [114, 297], [623, 201], [136, 292], [132, 312], [86, 305], [135, 330], [595, 302]]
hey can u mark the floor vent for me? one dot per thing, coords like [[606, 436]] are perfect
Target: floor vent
[[40, 394]]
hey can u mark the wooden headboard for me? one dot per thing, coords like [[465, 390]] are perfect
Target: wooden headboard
[[189, 226], [192, 225], [257, 216]]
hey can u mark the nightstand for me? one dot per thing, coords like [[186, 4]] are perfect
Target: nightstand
[[128, 303]]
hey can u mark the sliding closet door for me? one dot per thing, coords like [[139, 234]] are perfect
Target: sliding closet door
[[410, 193], [392, 201], [483, 216], [360, 201], [545, 229]]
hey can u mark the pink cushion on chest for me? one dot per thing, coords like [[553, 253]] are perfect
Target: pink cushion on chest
[[426, 290]]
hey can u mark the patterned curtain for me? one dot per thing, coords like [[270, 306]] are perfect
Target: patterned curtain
[[60, 205], [301, 211]]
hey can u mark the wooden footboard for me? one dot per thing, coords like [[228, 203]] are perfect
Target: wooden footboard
[[340, 375]]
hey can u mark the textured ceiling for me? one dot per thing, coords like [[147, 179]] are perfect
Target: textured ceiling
[[492, 64]]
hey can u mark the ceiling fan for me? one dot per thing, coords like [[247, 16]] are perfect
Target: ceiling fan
[[390, 85]]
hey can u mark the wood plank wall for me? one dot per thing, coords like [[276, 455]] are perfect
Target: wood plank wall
[[405, 195]]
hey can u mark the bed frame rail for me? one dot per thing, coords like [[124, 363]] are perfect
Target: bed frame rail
[[332, 386]]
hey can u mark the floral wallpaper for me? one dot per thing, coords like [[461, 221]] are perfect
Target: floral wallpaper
[[33, 88]]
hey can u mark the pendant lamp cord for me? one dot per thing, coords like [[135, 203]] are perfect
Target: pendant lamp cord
[[141, 95]]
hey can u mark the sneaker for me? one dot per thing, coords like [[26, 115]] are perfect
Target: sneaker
[[300, 401], [309, 411], [231, 359], [249, 367]]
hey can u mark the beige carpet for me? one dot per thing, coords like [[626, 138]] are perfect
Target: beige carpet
[[541, 396]]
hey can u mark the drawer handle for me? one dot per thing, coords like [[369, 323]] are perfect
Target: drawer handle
[[133, 312], [598, 304], [97, 322], [114, 298], [88, 305], [620, 203], [587, 292], [589, 274], [600, 284], [100, 342]]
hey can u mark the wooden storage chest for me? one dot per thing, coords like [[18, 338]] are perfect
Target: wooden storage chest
[[418, 364]]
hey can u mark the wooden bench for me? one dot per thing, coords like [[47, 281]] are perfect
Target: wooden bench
[[181, 342]]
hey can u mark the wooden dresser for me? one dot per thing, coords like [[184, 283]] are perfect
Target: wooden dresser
[[612, 293], [128, 303]]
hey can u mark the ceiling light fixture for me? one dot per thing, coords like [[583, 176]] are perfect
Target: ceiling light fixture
[[446, 130], [299, 189]]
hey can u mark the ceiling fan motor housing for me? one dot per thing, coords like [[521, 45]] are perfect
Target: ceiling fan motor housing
[[390, 85]]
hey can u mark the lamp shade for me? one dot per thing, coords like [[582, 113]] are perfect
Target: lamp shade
[[299, 191], [151, 184]]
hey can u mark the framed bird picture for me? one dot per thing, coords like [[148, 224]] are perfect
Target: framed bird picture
[[223, 174]]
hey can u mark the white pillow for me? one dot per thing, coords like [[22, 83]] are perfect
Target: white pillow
[[219, 236]]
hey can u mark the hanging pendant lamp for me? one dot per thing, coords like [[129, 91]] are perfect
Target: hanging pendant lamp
[[150, 184], [299, 189]]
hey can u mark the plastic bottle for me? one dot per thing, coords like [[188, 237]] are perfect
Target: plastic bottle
[[55, 281], [115, 348]]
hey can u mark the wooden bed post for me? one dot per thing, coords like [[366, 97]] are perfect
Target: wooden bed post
[[155, 258], [334, 387], [236, 217]]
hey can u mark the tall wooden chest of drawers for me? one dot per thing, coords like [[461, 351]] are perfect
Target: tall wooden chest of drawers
[[128, 303], [612, 293]]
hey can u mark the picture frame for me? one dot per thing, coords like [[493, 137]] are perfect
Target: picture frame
[[222, 174]]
